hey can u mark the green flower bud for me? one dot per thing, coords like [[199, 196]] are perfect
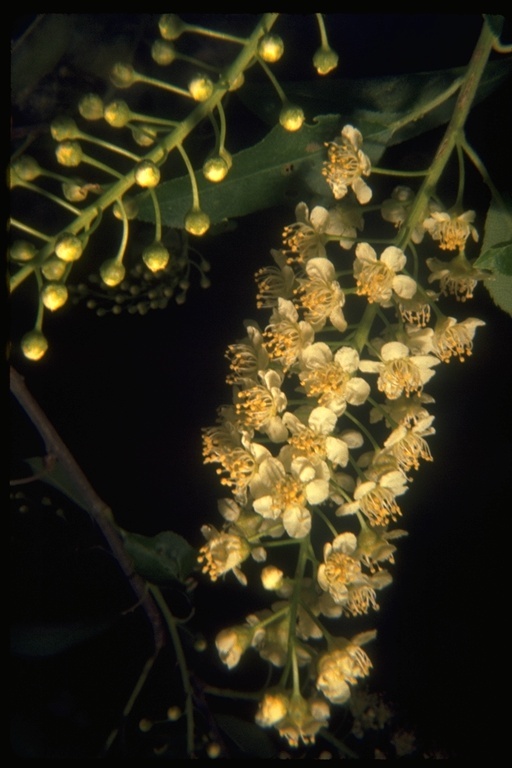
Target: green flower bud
[[131, 208], [215, 168], [271, 48], [156, 257], [291, 118], [25, 168], [144, 135], [213, 750], [63, 128], [53, 268], [117, 114], [34, 345], [90, 107], [325, 60], [147, 174], [197, 222], [174, 713], [68, 247], [74, 191], [145, 725], [69, 153], [163, 52], [112, 272], [54, 295], [22, 250], [201, 88], [170, 26], [122, 75]]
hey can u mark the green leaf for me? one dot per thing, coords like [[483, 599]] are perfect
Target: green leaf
[[390, 109], [286, 167], [496, 254], [498, 258], [160, 559], [58, 478], [248, 737], [51, 638], [277, 170], [497, 237], [500, 289]]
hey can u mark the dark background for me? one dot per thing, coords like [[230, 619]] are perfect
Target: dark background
[[129, 396]]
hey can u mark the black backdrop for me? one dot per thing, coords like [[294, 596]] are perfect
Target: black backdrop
[[129, 396]]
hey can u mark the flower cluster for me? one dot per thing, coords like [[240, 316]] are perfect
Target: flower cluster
[[295, 446]]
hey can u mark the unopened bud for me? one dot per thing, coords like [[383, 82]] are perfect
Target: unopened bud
[[215, 169], [122, 75], [22, 250], [163, 52], [90, 107], [291, 118], [53, 268], [117, 114], [144, 135], [63, 128], [147, 174], [197, 222], [272, 577], [213, 750], [112, 272], [34, 345], [201, 88], [25, 168], [325, 60], [68, 247], [271, 48], [156, 257], [145, 725], [69, 153], [54, 295], [170, 26], [131, 208]]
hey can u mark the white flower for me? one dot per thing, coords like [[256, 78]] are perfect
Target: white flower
[[403, 410], [453, 339], [247, 357], [286, 486], [231, 644], [274, 282], [346, 164], [378, 279], [342, 666], [306, 238], [222, 553], [316, 439], [321, 295], [451, 230], [339, 568], [330, 378], [399, 371], [259, 406], [456, 277], [407, 444], [376, 499], [272, 709], [286, 336]]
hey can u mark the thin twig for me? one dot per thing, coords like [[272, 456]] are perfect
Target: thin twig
[[97, 508]]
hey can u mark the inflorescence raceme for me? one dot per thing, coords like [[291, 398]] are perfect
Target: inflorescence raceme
[[298, 447]]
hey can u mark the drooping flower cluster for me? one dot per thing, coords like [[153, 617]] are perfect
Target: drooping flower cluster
[[295, 446]]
